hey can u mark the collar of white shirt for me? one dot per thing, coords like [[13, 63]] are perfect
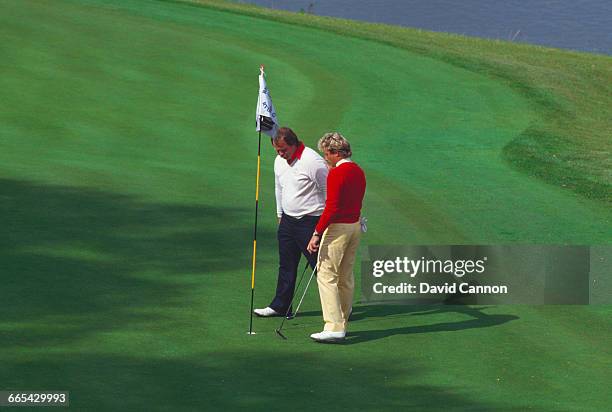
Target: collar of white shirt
[[347, 160]]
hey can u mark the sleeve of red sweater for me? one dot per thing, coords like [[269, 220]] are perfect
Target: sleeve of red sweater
[[332, 203]]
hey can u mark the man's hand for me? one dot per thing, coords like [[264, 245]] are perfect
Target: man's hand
[[279, 219], [313, 245]]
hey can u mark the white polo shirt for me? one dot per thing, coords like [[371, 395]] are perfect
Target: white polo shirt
[[300, 187]]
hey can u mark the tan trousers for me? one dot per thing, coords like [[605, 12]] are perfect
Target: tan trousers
[[335, 273]]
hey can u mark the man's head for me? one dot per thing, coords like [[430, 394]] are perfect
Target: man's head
[[334, 147], [285, 142]]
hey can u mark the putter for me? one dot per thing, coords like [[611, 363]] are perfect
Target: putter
[[280, 328], [297, 288], [304, 294]]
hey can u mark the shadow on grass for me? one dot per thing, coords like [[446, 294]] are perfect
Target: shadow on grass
[[90, 260], [68, 253], [369, 314], [247, 381], [479, 319]]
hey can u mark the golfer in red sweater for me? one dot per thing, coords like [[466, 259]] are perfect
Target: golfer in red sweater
[[337, 236]]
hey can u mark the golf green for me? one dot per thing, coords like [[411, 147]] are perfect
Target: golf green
[[127, 173]]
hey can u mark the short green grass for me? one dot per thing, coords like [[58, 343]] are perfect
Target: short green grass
[[570, 144], [127, 160]]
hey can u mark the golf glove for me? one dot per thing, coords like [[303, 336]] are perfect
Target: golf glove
[[364, 224]]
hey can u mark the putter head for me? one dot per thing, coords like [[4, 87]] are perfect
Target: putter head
[[279, 333]]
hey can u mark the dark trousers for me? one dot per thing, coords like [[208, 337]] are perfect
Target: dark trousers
[[293, 237]]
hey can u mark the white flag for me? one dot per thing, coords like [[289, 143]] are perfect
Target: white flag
[[268, 123]]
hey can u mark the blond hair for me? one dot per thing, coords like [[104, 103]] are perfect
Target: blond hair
[[334, 142]]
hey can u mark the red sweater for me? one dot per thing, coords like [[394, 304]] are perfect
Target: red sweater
[[345, 190]]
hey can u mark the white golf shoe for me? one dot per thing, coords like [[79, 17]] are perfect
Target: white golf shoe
[[328, 337], [266, 312]]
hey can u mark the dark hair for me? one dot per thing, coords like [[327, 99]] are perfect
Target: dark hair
[[287, 135]]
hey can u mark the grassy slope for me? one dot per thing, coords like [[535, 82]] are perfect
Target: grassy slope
[[120, 276], [570, 144]]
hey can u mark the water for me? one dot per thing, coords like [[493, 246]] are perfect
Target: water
[[584, 25]]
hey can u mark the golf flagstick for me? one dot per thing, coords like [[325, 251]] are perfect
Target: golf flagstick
[[255, 233], [265, 120]]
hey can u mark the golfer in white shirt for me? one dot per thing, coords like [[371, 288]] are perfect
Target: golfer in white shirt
[[300, 188]]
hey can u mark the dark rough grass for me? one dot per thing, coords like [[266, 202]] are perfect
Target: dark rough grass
[[525, 152]]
